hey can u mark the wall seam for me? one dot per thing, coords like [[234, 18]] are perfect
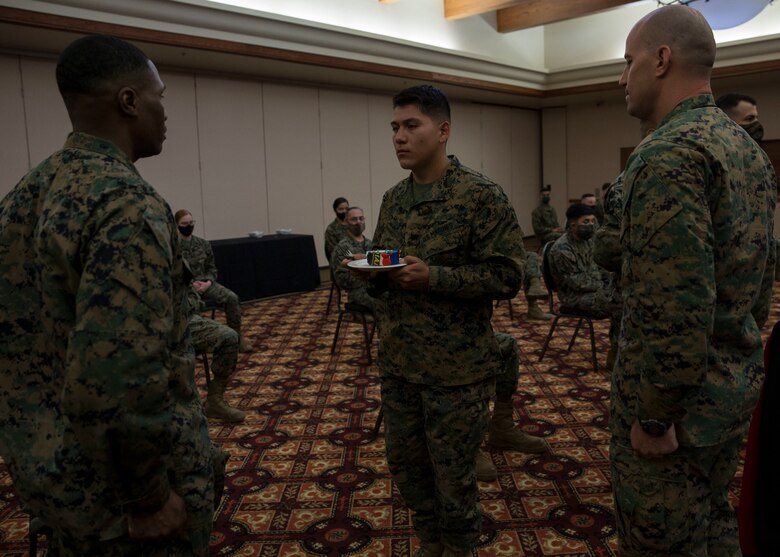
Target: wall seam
[[24, 113]]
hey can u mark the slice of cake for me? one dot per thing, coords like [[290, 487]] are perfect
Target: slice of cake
[[383, 257]]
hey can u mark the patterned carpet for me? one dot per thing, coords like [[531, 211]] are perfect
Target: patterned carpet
[[306, 477]]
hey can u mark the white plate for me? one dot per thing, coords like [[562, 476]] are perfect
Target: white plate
[[362, 265]]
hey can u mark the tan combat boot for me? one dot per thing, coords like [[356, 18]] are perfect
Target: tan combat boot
[[428, 549], [243, 345], [485, 469], [535, 312], [216, 407], [535, 290], [504, 433]]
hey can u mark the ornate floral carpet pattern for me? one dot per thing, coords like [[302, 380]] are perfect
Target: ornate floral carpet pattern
[[307, 477]]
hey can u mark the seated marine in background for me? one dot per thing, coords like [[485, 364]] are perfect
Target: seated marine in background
[[582, 285], [336, 230], [200, 258], [354, 243], [544, 219], [212, 337]]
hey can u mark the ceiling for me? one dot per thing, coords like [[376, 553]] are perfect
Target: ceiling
[[211, 38], [515, 15]]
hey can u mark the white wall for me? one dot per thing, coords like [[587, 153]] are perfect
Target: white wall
[[247, 155]]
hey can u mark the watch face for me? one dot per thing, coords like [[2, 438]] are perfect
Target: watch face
[[655, 428]]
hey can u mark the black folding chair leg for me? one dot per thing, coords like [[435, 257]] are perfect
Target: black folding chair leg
[[378, 425], [574, 336], [366, 338], [336, 335], [549, 337], [330, 299], [593, 346]]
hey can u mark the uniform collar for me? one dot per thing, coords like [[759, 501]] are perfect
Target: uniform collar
[[87, 142], [692, 103], [441, 190]]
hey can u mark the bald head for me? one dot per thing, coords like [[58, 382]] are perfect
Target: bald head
[[687, 34], [669, 57]]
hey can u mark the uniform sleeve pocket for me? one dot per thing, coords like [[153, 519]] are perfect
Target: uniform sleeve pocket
[[650, 204]]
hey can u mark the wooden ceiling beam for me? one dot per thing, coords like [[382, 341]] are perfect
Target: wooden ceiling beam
[[530, 13], [458, 9]]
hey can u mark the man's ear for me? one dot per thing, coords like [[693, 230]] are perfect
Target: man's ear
[[127, 99], [444, 131], [663, 60]]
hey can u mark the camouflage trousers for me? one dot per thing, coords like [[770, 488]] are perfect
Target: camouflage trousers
[[228, 300], [201, 493], [360, 296], [600, 304], [209, 336], [777, 258], [550, 237], [432, 435], [532, 269], [506, 382], [677, 505]]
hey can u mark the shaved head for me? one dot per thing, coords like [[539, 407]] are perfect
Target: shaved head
[[669, 57], [685, 31]]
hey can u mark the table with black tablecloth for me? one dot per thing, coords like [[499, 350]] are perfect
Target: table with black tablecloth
[[268, 266]]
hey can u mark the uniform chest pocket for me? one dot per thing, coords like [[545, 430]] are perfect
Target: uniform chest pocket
[[444, 245]]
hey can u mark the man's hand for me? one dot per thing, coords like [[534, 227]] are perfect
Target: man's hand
[[201, 286], [412, 277], [161, 524], [647, 446], [557, 229]]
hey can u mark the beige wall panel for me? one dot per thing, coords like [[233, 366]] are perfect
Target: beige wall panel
[[466, 134], [496, 146], [232, 157], [175, 172], [554, 158], [595, 134], [47, 120], [14, 159], [346, 165], [385, 170], [526, 165], [292, 146]]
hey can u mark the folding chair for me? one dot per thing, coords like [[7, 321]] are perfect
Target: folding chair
[[564, 312], [365, 316]]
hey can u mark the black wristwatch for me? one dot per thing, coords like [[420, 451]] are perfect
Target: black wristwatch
[[655, 428]]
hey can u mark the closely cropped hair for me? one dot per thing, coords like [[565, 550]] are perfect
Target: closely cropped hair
[[577, 210], [90, 62], [338, 201], [430, 100], [731, 100]]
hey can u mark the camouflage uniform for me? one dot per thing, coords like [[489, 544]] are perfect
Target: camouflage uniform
[[606, 254], [200, 257], [532, 270], [544, 219], [506, 381], [438, 356], [606, 242], [354, 287], [697, 224], [99, 413], [581, 284], [334, 233], [212, 337]]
